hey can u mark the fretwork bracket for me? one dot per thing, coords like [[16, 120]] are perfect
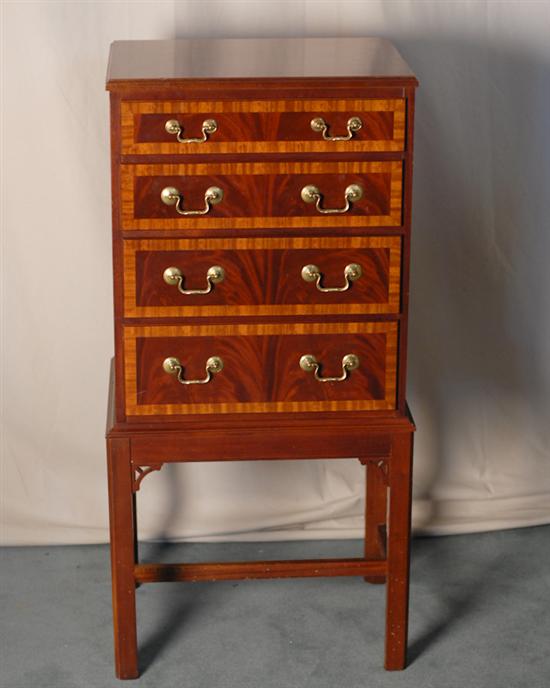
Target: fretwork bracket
[[141, 471]]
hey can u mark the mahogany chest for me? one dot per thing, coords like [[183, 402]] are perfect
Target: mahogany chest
[[261, 230]]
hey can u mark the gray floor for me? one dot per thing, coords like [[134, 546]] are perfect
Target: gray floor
[[479, 618]]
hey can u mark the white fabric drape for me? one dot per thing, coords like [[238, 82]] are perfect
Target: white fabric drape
[[479, 369]]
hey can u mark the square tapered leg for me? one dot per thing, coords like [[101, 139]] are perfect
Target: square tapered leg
[[121, 516], [398, 545]]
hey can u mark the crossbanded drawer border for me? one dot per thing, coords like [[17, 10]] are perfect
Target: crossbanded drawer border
[[128, 173], [131, 333], [132, 246], [130, 108]]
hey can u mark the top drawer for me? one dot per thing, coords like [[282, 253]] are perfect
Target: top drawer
[[262, 126]]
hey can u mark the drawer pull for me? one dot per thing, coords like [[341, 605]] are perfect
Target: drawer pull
[[311, 273], [311, 194], [209, 126], [174, 276], [172, 366], [309, 364], [319, 124], [171, 196]]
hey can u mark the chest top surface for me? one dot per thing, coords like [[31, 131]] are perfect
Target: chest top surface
[[133, 62]]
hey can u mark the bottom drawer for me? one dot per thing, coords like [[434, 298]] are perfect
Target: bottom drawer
[[260, 368]]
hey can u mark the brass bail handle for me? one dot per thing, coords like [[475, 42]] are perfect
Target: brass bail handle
[[311, 194], [172, 366], [318, 124], [174, 277], [311, 273], [309, 364], [209, 126], [171, 196]]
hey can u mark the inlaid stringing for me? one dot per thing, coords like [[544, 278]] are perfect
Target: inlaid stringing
[[131, 247], [209, 332], [131, 108]]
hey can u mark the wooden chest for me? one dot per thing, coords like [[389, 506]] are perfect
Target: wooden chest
[[261, 235]]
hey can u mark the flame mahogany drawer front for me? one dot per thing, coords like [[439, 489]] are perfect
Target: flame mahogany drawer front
[[259, 368], [262, 195], [247, 277], [262, 126]]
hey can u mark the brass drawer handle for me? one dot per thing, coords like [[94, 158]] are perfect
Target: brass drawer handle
[[171, 196], [311, 273], [319, 124], [172, 366], [174, 276], [311, 194], [209, 126], [309, 364]]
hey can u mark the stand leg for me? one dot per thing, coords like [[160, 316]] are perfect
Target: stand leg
[[121, 516], [375, 515], [399, 527]]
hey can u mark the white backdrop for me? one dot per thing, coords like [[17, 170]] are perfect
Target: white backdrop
[[479, 382]]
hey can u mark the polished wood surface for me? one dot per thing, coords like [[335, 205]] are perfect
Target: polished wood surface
[[263, 316], [262, 276], [240, 441], [261, 368], [261, 194], [236, 570], [398, 554], [262, 126], [136, 62], [121, 519]]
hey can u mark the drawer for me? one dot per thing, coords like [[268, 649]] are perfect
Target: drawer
[[261, 368], [260, 195], [283, 126], [261, 276]]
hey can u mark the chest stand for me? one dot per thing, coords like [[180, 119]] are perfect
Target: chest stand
[[385, 448]]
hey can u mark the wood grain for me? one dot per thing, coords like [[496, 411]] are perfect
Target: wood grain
[[241, 440], [261, 195], [398, 552], [238, 570], [263, 276], [121, 520], [407, 218], [261, 372], [280, 126]]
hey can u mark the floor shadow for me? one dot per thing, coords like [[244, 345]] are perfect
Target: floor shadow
[[458, 595], [177, 613]]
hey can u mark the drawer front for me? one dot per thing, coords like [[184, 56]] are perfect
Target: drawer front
[[261, 368], [261, 195], [262, 126], [261, 276]]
